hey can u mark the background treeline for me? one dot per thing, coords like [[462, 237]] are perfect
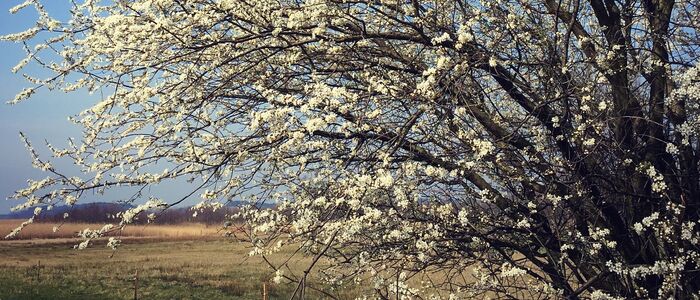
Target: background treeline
[[108, 213]]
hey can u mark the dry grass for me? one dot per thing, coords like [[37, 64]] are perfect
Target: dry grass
[[171, 259], [185, 261], [70, 230], [198, 269]]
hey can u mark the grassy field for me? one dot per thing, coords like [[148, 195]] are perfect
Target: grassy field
[[70, 230], [203, 267]]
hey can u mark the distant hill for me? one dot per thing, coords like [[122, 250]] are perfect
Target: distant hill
[[76, 211], [243, 203], [96, 212]]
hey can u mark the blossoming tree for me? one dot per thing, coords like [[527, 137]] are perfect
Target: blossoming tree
[[444, 148]]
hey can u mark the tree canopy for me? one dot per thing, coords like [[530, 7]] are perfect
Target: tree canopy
[[445, 148]]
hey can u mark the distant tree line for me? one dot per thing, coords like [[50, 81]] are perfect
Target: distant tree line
[[108, 213]]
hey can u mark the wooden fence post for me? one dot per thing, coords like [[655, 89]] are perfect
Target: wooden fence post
[[136, 285], [38, 271], [265, 291]]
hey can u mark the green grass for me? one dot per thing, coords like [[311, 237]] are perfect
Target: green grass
[[213, 269]]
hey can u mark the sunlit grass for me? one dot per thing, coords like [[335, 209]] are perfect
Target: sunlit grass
[[70, 230], [199, 269]]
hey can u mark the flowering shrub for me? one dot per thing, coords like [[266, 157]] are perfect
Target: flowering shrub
[[525, 148]]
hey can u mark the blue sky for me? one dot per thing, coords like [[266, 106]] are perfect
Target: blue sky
[[43, 116]]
